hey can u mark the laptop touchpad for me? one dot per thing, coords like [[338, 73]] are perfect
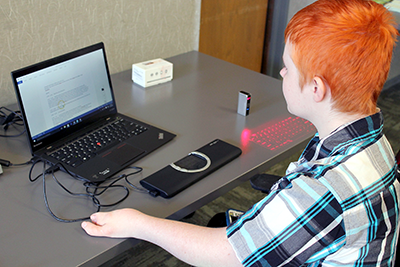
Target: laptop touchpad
[[122, 153]]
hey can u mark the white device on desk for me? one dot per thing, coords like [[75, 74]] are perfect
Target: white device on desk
[[244, 103], [152, 72]]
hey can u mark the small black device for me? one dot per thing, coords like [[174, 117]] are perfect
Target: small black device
[[181, 174], [232, 215]]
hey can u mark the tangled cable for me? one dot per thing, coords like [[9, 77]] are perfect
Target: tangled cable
[[11, 118], [93, 191]]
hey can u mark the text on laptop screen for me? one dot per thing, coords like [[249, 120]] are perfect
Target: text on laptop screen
[[63, 94]]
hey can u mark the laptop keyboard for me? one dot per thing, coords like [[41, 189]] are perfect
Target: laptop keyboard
[[94, 143]]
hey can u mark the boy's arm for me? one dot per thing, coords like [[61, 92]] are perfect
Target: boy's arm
[[196, 245]]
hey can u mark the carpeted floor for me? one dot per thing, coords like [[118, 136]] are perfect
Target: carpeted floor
[[242, 197]]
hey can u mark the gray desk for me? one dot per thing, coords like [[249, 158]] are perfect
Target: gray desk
[[199, 105]]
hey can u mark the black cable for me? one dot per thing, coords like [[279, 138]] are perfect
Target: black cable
[[20, 164], [13, 118], [102, 189], [34, 162], [135, 187], [68, 191], [93, 191], [5, 163]]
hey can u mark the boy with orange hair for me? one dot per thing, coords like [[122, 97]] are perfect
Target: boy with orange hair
[[337, 205]]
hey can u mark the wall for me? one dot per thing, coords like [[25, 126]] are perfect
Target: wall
[[280, 13], [132, 30], [296, 5]]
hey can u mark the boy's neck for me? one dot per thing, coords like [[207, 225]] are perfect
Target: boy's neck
[[327, 124]]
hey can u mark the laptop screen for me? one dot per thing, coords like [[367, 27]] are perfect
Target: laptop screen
[[64, 93]]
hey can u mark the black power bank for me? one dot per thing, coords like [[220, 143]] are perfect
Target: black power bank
[[183, 173]]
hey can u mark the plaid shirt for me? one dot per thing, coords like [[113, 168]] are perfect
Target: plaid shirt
[[338, 205]]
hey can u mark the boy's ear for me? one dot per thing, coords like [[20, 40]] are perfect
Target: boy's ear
[[320, 89]]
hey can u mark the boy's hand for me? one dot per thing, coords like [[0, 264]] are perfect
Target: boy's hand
[[117, 223]]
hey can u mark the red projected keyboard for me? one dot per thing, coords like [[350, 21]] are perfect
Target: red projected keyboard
[[283, 132]]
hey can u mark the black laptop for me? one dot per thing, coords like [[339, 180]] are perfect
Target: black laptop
[[71, 116]]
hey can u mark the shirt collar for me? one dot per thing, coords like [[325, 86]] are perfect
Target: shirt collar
[[360, 133]]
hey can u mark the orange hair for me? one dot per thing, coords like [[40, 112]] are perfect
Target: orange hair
[[347, 43]]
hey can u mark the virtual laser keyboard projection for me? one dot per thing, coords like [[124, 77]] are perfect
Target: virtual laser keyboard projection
[[273, 135]]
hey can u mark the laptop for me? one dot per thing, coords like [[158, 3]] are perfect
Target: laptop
[[71, 117]]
